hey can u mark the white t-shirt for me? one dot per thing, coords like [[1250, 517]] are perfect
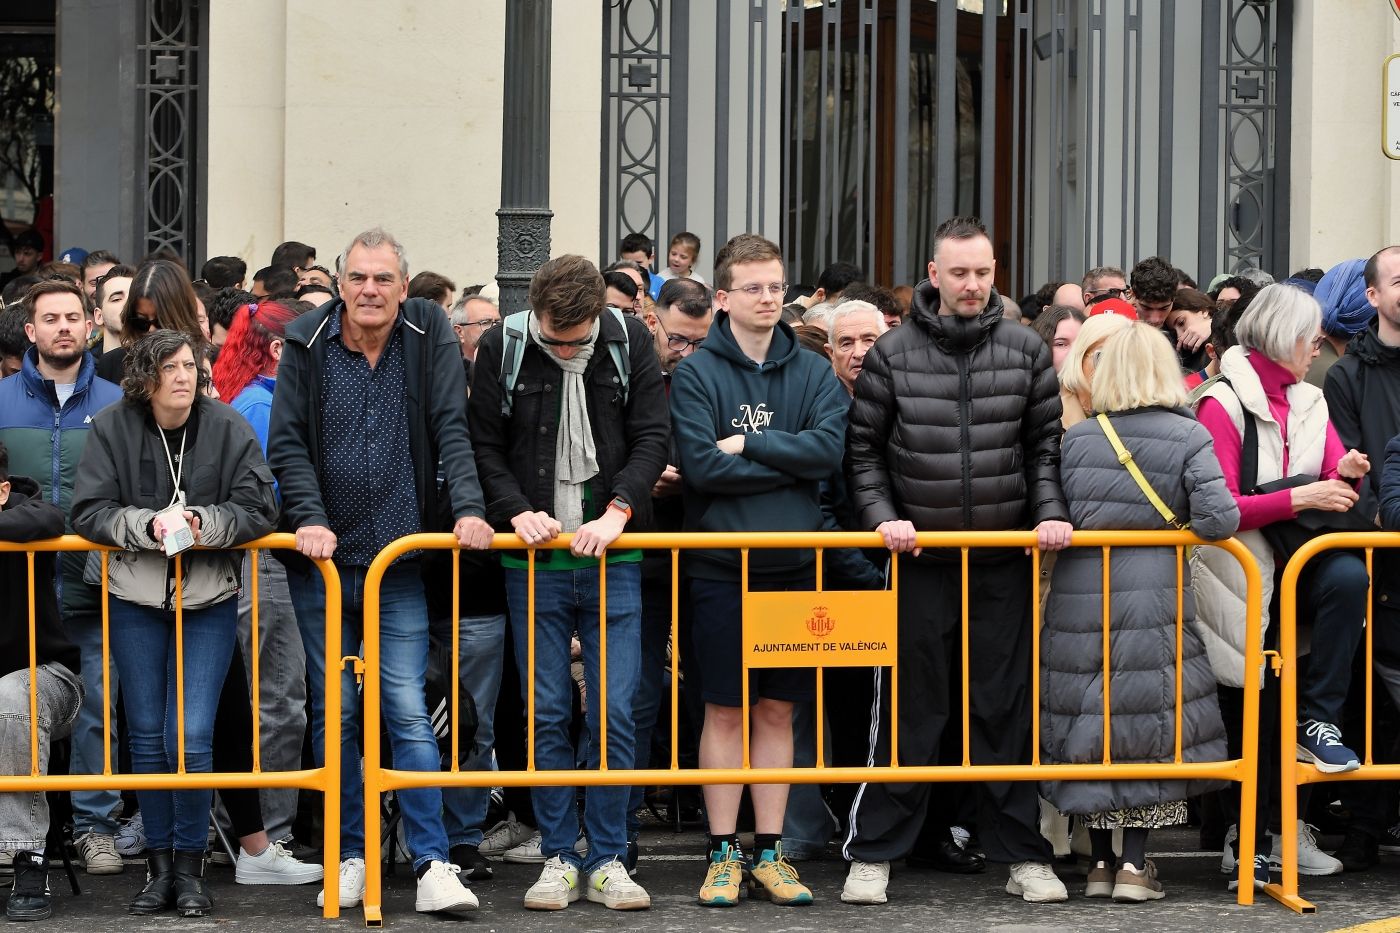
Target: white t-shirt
[[64, 392]]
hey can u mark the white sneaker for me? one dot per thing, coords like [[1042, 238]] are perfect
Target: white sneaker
[[531, 851], [556, 889], [98, 852], [505, 835], [866, 883], [611, 886], [352, 884], [1036, 883], [1228, 860], [441, 891], [1311, 859], [274, 865]]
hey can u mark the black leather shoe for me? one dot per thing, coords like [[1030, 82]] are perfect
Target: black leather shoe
[[947, 856], [1359, 852], [191, 899], [474, 865], [158, 894], [29, 899]]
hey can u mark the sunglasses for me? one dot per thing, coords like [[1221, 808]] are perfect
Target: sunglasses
[[551, 342]]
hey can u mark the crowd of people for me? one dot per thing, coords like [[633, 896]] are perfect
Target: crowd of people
[[152, 411]]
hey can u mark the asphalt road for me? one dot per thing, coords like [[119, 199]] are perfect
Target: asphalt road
[[922, 901]]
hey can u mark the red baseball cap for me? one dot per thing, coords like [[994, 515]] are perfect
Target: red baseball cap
[[1113, 306]]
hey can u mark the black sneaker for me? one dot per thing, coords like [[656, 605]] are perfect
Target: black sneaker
[[29, 899], [1390, 840], [1358, 852], [474, 865]]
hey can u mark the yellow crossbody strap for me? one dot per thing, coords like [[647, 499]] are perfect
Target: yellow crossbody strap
[[1126, 458]]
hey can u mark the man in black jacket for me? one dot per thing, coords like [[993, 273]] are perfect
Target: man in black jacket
[[24, 817], [369, 401], [1363, 402], [571, 440], [955, 426]]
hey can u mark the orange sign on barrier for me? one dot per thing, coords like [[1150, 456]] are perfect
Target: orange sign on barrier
[[832, 628]]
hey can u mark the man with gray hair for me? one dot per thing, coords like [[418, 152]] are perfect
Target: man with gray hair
[[472, 316], [368, 385], [852, 329]]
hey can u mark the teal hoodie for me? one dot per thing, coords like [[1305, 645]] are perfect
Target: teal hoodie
[[792, 412]]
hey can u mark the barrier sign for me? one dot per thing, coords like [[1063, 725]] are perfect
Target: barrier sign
[[1390, 107], [835, 628]]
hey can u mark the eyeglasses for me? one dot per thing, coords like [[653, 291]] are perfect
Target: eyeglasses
[[676, 342], [1317, 342], [776, 289], [1106, 292], [484, 325]]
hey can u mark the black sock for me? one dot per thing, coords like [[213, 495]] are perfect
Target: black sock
[[717, 842], [1101, 847], [422, 870], [1135, 847], [764, 842]]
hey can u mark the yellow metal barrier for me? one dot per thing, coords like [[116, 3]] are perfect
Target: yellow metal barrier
[[1297, 773], [325, 779], [378, 779]]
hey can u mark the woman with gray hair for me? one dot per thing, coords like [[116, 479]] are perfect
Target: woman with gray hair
[[165, 469], [1268, 424]]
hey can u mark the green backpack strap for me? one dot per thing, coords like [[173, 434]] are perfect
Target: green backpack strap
[[516, 327]]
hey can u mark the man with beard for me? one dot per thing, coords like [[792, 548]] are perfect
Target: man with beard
[[45, 412], [955, 426]]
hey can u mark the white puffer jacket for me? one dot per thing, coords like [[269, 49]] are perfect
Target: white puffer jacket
[[1219, 581]]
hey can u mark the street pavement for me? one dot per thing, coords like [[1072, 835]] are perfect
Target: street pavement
[[671, 870]]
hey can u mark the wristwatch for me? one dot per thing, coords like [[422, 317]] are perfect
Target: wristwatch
[[622, 505]]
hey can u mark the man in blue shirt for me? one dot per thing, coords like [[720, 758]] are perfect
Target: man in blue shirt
[[369, 402]]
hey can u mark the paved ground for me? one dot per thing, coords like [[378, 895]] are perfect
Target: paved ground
[[919, 901]]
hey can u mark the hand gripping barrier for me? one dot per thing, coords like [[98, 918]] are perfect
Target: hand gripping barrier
[[1285, 662], [324, 779], [379, 779]]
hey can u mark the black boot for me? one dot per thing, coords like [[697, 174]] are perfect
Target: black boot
[[191, 899], [30, 898], [159, 892]]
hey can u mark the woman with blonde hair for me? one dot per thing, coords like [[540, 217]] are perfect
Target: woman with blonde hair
[[1138, 394], [1077, 373]]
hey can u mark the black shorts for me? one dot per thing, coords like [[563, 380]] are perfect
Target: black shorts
[[717, 646]]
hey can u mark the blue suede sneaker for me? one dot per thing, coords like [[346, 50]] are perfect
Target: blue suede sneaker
[[1321, 743]]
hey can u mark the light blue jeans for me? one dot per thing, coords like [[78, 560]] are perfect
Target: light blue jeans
[[566, 601], [403, 665], [481, 649], [24, 817]]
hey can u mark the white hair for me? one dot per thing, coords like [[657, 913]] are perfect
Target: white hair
[[1277, 320], [854, 306], [818, 314]]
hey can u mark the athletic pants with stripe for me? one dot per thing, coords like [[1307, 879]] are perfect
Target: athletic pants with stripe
[[886, 818]]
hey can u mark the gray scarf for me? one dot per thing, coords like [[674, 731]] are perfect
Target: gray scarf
[[575, 457]]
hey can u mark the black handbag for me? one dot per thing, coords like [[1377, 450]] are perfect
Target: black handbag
[[1287, 536]]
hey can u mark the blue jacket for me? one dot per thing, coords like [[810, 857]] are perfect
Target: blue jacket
[[46, 442], [792, 413]]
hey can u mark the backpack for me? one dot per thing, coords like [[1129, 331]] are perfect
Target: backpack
[[513, 351]]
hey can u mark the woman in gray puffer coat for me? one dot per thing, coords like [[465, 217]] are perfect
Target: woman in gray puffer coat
[[1137, 383]]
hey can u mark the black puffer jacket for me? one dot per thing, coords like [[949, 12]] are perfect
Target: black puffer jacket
[[956, 424]]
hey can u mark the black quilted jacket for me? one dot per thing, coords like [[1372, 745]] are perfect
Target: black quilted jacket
[[956, 424]]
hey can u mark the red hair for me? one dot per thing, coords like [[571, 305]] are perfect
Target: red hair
[[248, 350]]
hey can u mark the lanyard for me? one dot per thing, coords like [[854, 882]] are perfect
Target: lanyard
[[175, 474]]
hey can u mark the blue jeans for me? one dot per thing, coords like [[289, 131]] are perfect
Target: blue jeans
[[646, 705], [403, 666], [481, 648], [143, 647], [808, 823], [567, 601], [94, 811]]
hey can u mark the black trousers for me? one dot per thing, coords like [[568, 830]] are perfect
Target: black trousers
[[886, 819]]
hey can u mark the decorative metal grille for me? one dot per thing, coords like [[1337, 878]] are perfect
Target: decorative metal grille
[[637, 102], [1249, 72], [169, 86]]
